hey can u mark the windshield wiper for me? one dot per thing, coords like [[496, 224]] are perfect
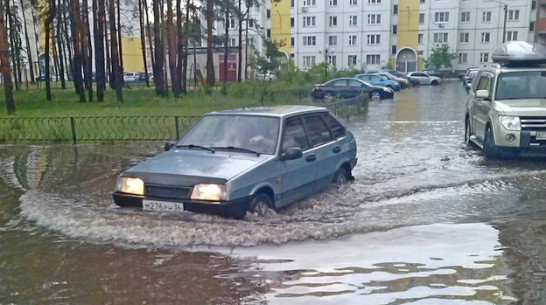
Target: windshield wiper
[[197, 146], [239, 149]]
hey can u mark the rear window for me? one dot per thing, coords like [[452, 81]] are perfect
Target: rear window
[[336, 128]]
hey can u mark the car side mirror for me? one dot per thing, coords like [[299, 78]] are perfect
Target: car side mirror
[[170, 144], [483, 94], [292, 153]]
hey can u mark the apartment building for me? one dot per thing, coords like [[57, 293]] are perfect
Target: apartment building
[[367, 34]]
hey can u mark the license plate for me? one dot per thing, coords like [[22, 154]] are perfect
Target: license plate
[[162, 206], [541, 136]]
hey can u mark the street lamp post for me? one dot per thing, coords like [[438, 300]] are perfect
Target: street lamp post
[[504, 26], [326, 63]]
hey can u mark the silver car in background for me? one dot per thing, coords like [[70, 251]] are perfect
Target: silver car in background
[[233, 161], [423, 78]]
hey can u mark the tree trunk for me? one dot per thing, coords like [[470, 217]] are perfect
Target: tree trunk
[[48, 25], [60, 47], [4, 61], [158, 51], [87, 51], [149, 33], [116, 75], [120, 43], [240, 44], [68, 41], [181, 55], [99, 20], [226, 42], [78, 55], [27, 42], [172, 48], [143, 40], [211, 79]]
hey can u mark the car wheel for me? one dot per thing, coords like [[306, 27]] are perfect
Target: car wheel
[[492, 151], [374, 95], [467, 131], [434, 82], [328, 97], [261, 204], [342, 177]]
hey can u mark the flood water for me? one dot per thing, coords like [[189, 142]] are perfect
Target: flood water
[[426, 221]]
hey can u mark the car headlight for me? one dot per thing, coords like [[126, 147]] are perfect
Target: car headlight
[[130, 185], [510, 122], [209, 192]]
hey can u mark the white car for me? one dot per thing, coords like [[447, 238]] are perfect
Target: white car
[[131, 76], [423, 78]]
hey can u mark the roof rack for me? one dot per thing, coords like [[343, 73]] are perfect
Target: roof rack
[[520, 54]]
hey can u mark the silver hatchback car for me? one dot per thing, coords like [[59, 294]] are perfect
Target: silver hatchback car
[[235, 161]]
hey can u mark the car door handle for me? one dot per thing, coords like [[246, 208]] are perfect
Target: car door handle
[[311, 158], [336, 149]]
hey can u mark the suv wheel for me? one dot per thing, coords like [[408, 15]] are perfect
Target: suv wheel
[[374, 95], [467, 133], [492, 151]]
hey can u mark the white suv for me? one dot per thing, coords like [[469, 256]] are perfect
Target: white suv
[[506, 109]]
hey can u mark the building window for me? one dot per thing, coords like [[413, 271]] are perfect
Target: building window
[[374, 1], [374, 18], [440, 38], [486, 37], [395, 29], [352, 40], [513, 15], [309, 21], [464, 37], [511, 35], [309, 2], [484, 57], [250, 23], [531, 26], [421, 18], [395, 9], [308, 61], [333, 21], [232, 42], [374, 39], [333, 2], [291, 3], [332, 40], [231, 23], [268, 33], [351, 60], [420, 52], [465, 17], [463, 58], [332, 60], [353, 2], [292, 22], [393, 50], [534, 4], [420, 38], [486, 17], [422, 1], [374, 59], [309, 40], [292, 41], [441, 17], [268, 14], [353, 20]]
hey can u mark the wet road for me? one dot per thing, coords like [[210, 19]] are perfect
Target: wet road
[[427, 221]]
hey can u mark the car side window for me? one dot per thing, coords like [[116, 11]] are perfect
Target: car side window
[[336, 128], [317, 131], [354, 83], [294, 134], [340, 83]]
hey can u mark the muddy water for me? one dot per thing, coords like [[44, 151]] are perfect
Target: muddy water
[[427, 221]]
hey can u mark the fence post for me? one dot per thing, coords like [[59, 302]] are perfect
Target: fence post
[[73, 126], [177, 124]]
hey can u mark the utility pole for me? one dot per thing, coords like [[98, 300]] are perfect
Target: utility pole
[[504, 26]]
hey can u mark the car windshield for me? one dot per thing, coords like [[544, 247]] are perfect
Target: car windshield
[[521, 85], [242, 133]]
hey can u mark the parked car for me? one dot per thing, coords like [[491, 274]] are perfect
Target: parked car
[[505, 112], [41, 78], [348, 87], [401, 75], [433, 73], [234, 161], [378, 80], [423, 78], [469, 77], [131, 76], [403, 82], [266, 76]]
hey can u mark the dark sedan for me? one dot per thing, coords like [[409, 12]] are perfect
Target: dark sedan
[[348, 87]]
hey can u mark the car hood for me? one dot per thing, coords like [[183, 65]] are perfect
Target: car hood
[[221, 165], [523, 107]]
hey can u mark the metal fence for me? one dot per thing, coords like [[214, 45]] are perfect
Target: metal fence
[[112, 128], [122, 128]]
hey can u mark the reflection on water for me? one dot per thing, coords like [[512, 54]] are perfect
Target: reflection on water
[[427, 221]]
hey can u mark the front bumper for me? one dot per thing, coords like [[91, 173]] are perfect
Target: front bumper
[[219, 208]]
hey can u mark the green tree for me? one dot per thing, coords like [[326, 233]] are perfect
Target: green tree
[[440, 57]]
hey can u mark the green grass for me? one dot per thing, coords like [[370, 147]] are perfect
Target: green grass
[[140, 100]]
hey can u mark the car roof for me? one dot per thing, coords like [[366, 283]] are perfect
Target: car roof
[[273, 111]]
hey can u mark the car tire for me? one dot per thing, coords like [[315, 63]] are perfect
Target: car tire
[[434, 82], [467, 132], [375, 95], [328, 97], [490, 150], [261, 204], [341, 177]]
